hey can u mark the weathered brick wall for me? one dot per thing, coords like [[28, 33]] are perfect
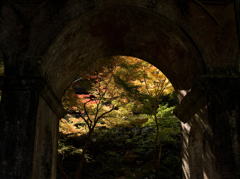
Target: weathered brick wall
[[198, 159], [184, 39], [210, 136], [224, 119], [18, 110], [211, 26], [137, 32], [46, 142]]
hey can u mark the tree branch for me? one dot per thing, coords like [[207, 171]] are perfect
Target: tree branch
[[105, 113], [90, 125], [86, 121]]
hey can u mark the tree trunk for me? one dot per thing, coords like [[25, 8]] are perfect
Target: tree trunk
[[77, 174]]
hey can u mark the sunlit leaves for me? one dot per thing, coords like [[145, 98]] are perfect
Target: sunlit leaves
[[120, 80]]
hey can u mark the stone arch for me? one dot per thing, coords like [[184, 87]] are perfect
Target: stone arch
[[127, 31], [124, 30], [73, 9], [78, 32]]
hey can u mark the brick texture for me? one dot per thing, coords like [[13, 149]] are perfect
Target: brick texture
[[185, 39]]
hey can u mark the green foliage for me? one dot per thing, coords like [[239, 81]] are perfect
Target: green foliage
[[80, 124], [170, 99], [126, 82], [163, 113], [105, 156], [128, 85]]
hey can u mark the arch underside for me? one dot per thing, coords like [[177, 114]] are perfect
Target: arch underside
[[127, 31]]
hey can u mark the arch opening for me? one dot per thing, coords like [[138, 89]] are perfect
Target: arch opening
[[114, 125], [125, 76], [128, 31]]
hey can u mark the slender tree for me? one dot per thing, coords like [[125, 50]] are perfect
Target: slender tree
[[147, 85]]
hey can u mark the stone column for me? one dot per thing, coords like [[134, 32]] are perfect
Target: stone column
[[211, 128], [223, 113], [192, 112], [23, 150], [17, 127]]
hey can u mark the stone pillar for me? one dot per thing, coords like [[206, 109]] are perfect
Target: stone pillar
[[197, 160], [17, 130], [195, 151], [211, 128], [185, 130], [23, 150], [223, 113], [192, 112]]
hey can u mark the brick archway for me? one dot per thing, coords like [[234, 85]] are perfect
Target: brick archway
[[117, 31], [128, 31], [194, 43]]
